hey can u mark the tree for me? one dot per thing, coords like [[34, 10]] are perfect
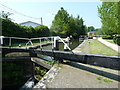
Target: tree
[[5, 15], [78, 28], [60, 22], [65, 25], [12, 29], [91, 28], [109, 13], [42, 31]]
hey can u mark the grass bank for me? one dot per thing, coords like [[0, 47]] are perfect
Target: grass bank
[[111, 41], [95, 47]]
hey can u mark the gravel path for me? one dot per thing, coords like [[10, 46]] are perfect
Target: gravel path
[[111, 45], [72, 77]]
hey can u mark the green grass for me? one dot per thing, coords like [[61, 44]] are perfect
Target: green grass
[[96, 47], [49, 62], [104, 79], [111, 41], [99, 78], [107, 80]]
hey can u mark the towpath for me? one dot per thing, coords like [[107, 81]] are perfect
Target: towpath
[[111, 45]]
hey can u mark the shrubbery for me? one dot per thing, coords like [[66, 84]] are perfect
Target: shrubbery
[[12, 29], [107, 37], [116, 40]]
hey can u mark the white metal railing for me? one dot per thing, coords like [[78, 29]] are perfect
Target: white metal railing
[[64, 43], [29, 40]]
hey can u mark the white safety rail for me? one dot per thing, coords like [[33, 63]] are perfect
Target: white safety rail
[[30, 41], [64, 43]]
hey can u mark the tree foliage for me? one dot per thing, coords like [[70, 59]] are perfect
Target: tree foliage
[[66, 25], [5, 15], [42, 31], [109, 13], [91, 28]]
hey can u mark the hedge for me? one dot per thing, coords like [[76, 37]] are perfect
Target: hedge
[[107, 37], [116, 40]]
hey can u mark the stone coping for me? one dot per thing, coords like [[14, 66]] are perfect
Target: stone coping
[[48, 77]]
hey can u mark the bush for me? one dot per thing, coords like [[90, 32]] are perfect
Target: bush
[[107, 37], [116, 40]]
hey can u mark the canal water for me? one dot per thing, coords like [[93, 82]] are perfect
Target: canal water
[[73, 44]]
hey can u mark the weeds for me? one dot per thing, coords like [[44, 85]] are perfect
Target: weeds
[[104, 79]]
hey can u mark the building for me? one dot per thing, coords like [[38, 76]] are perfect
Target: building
[[91, 34], [30, 23]]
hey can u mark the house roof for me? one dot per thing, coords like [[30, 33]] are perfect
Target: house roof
[[30, 22]]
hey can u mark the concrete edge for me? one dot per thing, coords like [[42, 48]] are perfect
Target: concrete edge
[[47, 78], [80, 45]]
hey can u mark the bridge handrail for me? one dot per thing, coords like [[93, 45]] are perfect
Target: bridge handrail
[[30, 40], [27, 38], [64, 42], [43, 37], [15, 37]]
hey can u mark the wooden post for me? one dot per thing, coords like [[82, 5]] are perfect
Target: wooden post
[[52, 40], [33, 69], [32, 53]]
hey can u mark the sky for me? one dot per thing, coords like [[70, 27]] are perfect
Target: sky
[[23, 11]]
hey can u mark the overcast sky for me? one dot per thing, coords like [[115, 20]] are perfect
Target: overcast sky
[[47, 10]]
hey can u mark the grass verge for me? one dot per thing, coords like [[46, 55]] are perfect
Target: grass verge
[[111, 41], [93, 46]]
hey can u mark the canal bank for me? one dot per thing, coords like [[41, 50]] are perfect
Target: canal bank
[[72, 45], [76, 66], [94, 46], [111, 45], [78, 75]]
